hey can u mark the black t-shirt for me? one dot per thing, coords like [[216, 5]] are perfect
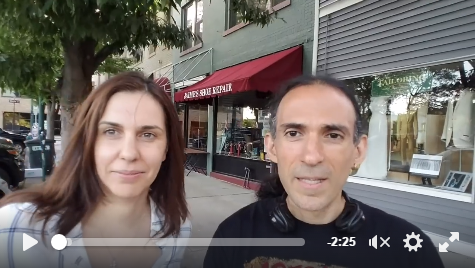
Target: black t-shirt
[[253, 221]]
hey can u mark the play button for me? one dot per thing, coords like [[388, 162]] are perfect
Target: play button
[[28, 242]]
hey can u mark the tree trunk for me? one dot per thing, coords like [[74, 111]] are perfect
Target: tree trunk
[[77, 82], [50, 119]]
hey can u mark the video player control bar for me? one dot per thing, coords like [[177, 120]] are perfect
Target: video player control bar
[[60, 242], [190, 242]]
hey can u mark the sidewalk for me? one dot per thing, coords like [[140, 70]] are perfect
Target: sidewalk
[[210, 202]]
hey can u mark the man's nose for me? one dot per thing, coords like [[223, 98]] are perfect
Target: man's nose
[[129, 150], [313, 151]]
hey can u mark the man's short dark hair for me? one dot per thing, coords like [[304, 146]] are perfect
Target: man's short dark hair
[[272, 187]]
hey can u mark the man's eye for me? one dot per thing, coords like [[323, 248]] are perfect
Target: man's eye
[[292, 133], [334, 135]]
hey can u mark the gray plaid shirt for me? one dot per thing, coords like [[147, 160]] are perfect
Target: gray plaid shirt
[[15, 221]]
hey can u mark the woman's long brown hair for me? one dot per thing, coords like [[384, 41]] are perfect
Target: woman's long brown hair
[[74, 188]]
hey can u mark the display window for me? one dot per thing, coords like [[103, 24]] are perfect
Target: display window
[[197, 129], [240, 132], [420, 126]]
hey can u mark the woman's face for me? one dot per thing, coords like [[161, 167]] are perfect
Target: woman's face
[[131, 144]]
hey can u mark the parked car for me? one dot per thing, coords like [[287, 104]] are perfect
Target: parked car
[[22, 131], [12, 167], [18, 140]]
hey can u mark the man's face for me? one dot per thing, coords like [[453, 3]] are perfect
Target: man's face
[[313, 146]]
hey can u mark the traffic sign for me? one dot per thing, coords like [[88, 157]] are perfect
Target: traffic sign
[[35, 130], [13, 101], [36, 110]]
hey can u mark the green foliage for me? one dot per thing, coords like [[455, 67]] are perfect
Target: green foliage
[[115, 65], [30, 64], [31, 69], [117, 24], [250, 123], [72, 38]]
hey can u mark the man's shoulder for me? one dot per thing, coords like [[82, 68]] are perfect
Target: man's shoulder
[[392, 224], [252, 213]]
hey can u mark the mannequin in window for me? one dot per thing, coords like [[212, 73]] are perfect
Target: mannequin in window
[[407, 128], [375, 166], [421, 122], [458, 124]]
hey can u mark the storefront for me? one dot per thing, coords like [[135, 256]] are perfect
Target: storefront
[[234, 101], [412, 64]]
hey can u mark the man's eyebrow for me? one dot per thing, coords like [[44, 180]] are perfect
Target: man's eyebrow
[[327, 127], [292, 125], [337, 127]]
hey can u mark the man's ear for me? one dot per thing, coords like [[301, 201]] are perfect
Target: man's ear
[[360, 151], [270, 148]]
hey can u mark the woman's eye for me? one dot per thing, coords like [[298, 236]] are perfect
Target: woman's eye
[[110, 132], [148, 135]]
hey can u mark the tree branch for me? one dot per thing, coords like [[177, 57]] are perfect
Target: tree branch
[[105, 52]]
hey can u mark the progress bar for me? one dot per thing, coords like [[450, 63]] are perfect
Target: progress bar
[[183, 242]]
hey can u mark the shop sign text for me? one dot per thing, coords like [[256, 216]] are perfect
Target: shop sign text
[[209, 91]]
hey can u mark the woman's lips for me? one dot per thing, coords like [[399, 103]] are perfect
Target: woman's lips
[[129, 175]]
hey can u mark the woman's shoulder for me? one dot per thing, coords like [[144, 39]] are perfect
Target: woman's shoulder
[[185, 228], [16, 215], [158, 219]]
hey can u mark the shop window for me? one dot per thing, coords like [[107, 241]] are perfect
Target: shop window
[[198, 127], [16, 122], [180, 109], [240, 132], [193, 21], [420, 126]]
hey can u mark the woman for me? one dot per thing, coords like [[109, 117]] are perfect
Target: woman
[[121, 176]]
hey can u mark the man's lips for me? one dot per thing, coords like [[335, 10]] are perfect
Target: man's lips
[[311, 181]]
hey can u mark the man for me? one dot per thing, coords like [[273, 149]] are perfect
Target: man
[[316, 139]]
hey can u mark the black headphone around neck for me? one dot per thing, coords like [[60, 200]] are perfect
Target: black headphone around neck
[[350, 220]]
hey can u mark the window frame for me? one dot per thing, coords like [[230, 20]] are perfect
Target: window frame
[[408, 188], [152, 50], [195, 25], [228, 30], [136, 55]]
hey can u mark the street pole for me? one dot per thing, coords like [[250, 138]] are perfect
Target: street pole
[[41, 127], [32, 115]]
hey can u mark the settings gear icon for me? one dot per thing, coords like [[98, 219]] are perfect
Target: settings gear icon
[[409, 246]]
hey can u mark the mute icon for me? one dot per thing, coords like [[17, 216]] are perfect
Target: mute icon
[[373, 242]]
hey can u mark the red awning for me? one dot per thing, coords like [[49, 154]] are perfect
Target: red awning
[[264, 74], [164, 84]]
